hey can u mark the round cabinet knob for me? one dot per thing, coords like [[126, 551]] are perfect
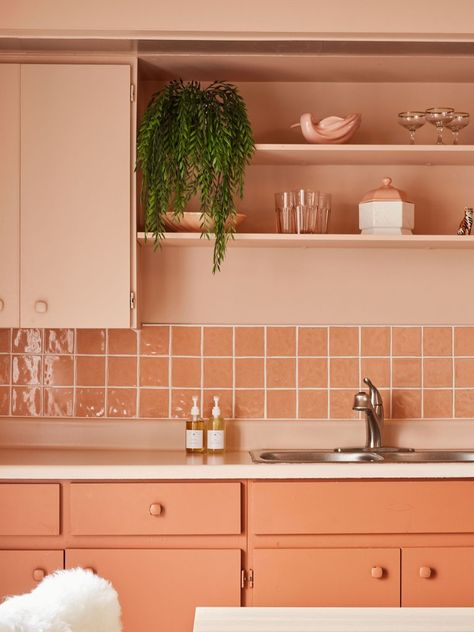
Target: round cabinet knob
[[376, 572], [156, 509], [425, 572], [41, 307], [2, 304], [90, 569], [39, 574]]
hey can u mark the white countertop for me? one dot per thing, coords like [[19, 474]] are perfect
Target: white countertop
[[89, 464], [334, 620]]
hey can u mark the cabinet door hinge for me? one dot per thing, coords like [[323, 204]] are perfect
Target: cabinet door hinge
[[132, 300], [132, 92], [246, 579]]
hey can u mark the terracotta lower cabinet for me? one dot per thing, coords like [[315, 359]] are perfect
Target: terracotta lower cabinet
[[327, 577], [441, 576], [21, 571], [160, 589]]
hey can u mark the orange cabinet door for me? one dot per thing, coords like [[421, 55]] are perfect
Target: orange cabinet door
[[75, 195], [160, 589], [438, 577], [326, 577], [21, 571], [9, 195]]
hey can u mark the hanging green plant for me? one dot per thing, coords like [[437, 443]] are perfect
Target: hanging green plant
[[194, 141]]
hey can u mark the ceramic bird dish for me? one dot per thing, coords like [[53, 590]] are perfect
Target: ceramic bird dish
[[332, 129]]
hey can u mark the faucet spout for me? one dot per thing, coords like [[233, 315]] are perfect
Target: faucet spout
[[365, 403]]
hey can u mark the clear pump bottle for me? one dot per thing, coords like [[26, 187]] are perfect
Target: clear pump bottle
[[215, 430], [195, 430]]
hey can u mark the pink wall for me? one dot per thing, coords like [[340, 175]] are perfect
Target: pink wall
[[260, 372]]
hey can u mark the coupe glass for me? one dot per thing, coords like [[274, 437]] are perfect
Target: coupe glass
[[439, 117], [459, 121], [411, 121]]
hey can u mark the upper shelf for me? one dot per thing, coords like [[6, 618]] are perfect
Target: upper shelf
[[306, 154], [274, 240]]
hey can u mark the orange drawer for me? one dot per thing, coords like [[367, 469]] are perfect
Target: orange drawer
[[362, 507], [155, 508], [29, 509]]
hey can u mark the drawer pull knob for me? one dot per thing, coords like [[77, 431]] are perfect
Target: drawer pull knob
[[156, 509], [425, 572], [39, 574], [90, 569], [41, 307], [377, 572]]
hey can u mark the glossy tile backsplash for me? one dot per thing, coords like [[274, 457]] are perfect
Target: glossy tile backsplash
[[273, 372]]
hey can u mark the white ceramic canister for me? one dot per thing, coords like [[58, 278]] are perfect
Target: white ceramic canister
[[386, 211]]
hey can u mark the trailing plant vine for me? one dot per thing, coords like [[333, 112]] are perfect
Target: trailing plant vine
[[194, 141]]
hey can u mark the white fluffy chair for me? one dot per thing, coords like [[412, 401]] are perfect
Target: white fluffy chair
[[67, 601]]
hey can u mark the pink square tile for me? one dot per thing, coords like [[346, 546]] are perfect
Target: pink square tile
[[438, 404], [90, 370], [122, 371], [154, 403], [186, 341], [58, 402], [186, 372], [26, 369], [340, 405], [58, 370], [344, 372], [437, 341], [375, 341], [281, 341], [464, 341], [26, 401], [122, 342], [5, 369], [90, 402], [249, 404], [249, 341], [218, 373], [90, 341], [313, 404], [437, 372], [155, 340], [249, 372], [377, 370], [313, 341], [281, 373], [4, 401], [312, 372], [121, 402], [27, 341], [154, 371], [5, 340], [406, 404], [281, 404], [59, 341], [464, 372], [464, 404], [406, 341], [182, 401], [343, 341], [406, 372], [225, 402], [218, 341]]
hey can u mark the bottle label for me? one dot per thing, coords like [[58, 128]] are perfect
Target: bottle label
[[215, 439], [194, 439]]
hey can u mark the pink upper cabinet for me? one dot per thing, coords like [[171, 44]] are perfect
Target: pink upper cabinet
[[9, 194], [75, 195]]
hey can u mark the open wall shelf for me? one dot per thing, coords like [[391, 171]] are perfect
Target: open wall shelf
[[271, 240]]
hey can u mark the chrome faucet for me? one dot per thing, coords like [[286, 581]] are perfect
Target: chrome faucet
[[372, 405]]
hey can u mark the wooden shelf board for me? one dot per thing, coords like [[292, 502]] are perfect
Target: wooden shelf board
[[307, 154], [271, 240]]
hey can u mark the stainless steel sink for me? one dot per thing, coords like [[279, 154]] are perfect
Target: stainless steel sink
[[362, 456]]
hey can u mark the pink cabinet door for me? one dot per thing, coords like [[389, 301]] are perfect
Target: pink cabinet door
[[21, 571], [326, 577], [9, 195], [438, 577], [75, 195], [160, 589]]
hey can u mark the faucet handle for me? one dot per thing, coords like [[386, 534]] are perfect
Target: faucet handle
[[375, 398]]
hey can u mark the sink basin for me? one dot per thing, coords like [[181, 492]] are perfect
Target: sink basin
[[364, 456]]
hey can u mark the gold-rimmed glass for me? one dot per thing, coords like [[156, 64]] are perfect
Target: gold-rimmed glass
[[411, 120], [439, 117], [459, 121]]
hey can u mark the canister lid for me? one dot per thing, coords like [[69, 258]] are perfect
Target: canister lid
[[385, 193]]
